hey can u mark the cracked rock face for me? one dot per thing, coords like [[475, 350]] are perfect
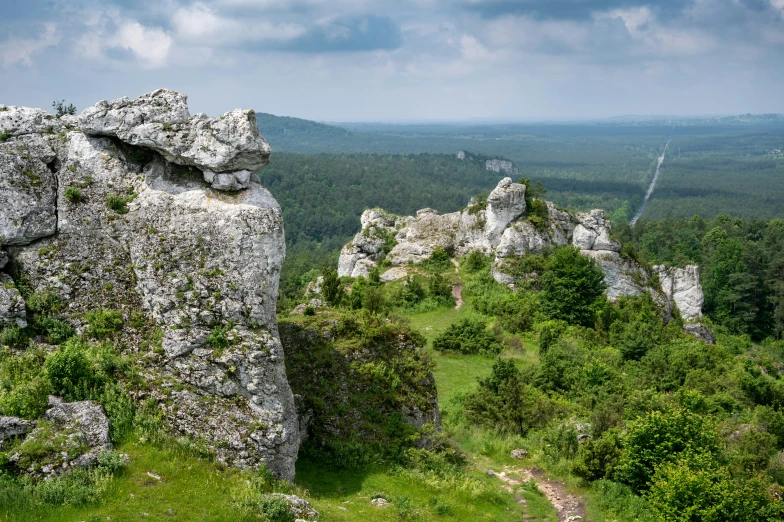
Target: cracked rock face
[[229, 149], [504, 231], [142, 208]]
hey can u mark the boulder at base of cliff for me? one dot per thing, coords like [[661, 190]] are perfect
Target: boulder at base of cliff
[[70, 435]]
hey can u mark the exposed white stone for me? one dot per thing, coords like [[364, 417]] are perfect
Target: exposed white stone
[[229, 149], [505, 204], [12, 306], [501, 166], [682, 287], [394, 273]]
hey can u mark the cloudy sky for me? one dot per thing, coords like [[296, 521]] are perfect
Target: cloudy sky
[[402, 60]]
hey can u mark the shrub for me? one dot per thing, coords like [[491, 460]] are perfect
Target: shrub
[[28, 399], [697, 489], [468, 336], [13, 336], [331, 288], [571, 285], [475, 261], [103, 323], [439, 288], [70, 371], [516, 311], [663, 437], [439, 261], [61, 109], [309, 311], [44, 303], [219, 336], [74, 195], [598, 458], [57, 330]]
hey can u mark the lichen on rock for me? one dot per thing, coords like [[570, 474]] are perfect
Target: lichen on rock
[[139, 207]]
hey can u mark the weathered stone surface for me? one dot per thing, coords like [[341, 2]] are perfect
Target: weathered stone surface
[[503, 230], [300, 508], [18, 121], [28, 188], [3, 260], [502, 167], [394, 273], [701, 332], [229, 149], [12, 306], [315, 304], [682, 287], [505, 204], [14, 427], [78, 432], [148, 233]]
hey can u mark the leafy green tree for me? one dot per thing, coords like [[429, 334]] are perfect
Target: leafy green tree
[[662, 437], [468, 336], [571, 286], [331, 288]]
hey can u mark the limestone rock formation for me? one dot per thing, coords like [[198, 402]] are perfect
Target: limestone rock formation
[[76, 434], [12, 306], [228, 150], [13, 427], [137, 206], [504, 167], [682, 287], [504, 230]]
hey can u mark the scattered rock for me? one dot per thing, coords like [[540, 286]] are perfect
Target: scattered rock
[[519, 453], [503, 229], [701, 332], [314, 287], [13, 427], [315, 304], [394, 273], [379, 502], [504, 167]]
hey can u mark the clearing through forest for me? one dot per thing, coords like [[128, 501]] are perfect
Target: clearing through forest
[[653, 182]]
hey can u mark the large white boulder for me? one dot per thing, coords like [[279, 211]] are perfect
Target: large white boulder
[[682, 287]]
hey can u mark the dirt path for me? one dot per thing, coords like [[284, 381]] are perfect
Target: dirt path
[[457, 293], [570, 508], [457, 290]]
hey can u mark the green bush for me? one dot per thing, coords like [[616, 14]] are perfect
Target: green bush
[[57, 330], [331, 288], [475, 261], [468, 336], [71, 373], [439, 288], [598, 458], [439, 261], [571, 287], [219, 336], [13, 337], [698, 490], [103, 323], [28, 399], [662, 437], [44, 303], [516, 311]]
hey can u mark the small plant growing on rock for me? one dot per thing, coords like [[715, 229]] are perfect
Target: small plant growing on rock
[[219, 337], [74, 195], [119, 203], [103, 323], [4, 135], [61, 109]]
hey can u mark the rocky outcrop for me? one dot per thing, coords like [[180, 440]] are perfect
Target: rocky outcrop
[[501, 166], [228, 150], [75, 434], [504, 167], [12, 306], [11, 427], [137, 206], [682, 287], [505, 230]]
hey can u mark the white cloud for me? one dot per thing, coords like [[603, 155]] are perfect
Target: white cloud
[[199, 24], [20, 51], [472, 49], [150, 45]]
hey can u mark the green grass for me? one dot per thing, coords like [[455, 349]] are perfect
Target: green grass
[[409, 499]]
